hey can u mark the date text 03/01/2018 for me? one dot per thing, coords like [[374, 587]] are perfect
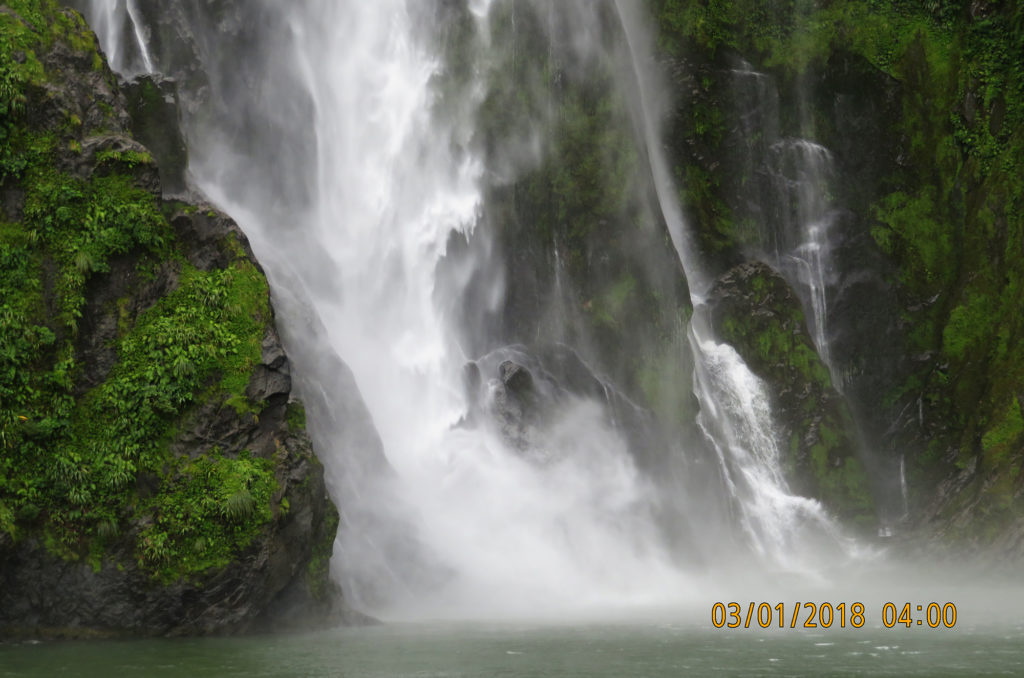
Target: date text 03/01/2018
[[826, 615]]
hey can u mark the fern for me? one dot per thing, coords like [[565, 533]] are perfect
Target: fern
[[240, 506]]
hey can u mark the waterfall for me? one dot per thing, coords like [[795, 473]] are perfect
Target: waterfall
[[136, 23], [800, 171], [735, 410], [119, 27], [791, 180], [796, 219], [351, 212]]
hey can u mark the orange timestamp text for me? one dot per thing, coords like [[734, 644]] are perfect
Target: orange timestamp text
[[811, 615]]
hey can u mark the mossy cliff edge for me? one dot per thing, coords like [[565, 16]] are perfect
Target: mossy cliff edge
[[922, 105], [155, 475]]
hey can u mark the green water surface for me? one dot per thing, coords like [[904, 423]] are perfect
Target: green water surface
[[450, 650]]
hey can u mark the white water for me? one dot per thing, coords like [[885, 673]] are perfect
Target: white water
[[797, 238], [804, 168], [787, 531], [465, 526], [800, 231], [110, 20], [735, 408], [137, 31]]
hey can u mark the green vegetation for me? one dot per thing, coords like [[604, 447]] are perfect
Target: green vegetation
[[948, 209], [210, 510], [767, 327], [295, 416], [84, 450], [1006, 430], [798, 34], [774, 338], [841, 482], [956, 230], [317, 579], [127, 158]]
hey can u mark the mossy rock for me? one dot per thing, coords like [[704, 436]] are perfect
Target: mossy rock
[[149, 480], [754, 310]]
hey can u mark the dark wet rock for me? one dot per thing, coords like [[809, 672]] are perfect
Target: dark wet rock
[[753, 309], [44, 596], [155, 121], [280, 576], [118, 154], [511, 403], [516, 378], [272, 377], [532, 387]]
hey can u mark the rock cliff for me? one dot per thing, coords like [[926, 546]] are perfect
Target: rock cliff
[[920, 107], [155, 475]]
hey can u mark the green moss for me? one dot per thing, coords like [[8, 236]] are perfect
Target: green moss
[[959, 241], [608, 308], [318, 570], [700, 192], [127, 158], [774, 338], [295, 416], [914, 229], [795, 35], [1001, 435], [596, 161], [967, 327], [7, 520], [205, 514], [841, 481], [71, 459], [664, 377]]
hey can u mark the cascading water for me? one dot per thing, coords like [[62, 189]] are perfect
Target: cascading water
[[789, 182], [735, 409], [802, 169], [119, 28], [795, 217], [463, 523]]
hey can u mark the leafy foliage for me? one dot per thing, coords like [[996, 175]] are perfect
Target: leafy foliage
[[209, 510], [72, 454], [949, 216], [295, 415]]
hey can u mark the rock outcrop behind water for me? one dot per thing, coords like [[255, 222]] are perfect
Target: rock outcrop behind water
[[754, 310], [155, 473], [926, 269]]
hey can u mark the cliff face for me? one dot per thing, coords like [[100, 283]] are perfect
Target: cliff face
[[754, 310], [891, 128], [155, 475], [921, 109]]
